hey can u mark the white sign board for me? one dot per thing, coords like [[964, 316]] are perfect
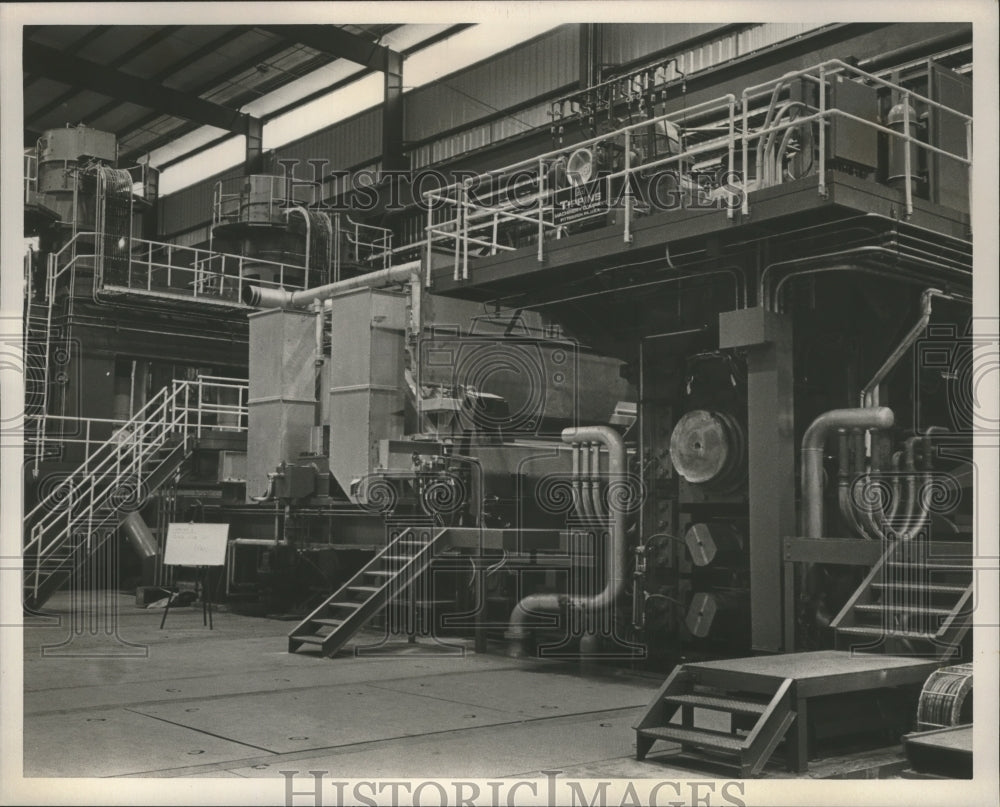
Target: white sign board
[[196, 544]]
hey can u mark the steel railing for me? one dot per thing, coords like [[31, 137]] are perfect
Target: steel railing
[[117, 472], [756, 132]]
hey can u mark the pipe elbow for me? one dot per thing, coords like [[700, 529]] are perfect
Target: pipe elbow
[[873, 417]]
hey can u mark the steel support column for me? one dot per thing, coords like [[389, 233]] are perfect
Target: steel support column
[[591, 50], [393, 156], [767, 338], [254, 153]]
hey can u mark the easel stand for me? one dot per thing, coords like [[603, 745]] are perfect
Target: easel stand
[[206, 600], [200, 546]]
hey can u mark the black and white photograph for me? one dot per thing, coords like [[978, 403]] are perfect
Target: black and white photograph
[[499, 403]]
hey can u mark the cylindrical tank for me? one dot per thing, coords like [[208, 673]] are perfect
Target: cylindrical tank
[[897, 121], [60, 152]]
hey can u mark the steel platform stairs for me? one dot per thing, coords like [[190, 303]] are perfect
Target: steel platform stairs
[[389, 573], [757, 722], [79, 514], [916, 601]]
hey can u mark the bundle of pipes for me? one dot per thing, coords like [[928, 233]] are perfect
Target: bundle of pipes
[[590, 501], [864, 507], [588, 492]]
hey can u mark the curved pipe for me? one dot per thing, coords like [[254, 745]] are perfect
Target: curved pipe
[[869, 395], [813, 442], [268, 494], [615, 554], [262, 297]]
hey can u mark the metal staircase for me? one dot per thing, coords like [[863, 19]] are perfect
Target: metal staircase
[[757, 721], [376, 584], [916, 601], [79, 515], [35, 358]]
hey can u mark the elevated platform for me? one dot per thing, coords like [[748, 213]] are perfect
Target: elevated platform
[[812, 696]]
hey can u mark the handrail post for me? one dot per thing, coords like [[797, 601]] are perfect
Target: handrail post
[[541, 210], [746, 156], [907, 167], [968, 156], [627, 237], [459, 231], [822, 131], [731, 152]]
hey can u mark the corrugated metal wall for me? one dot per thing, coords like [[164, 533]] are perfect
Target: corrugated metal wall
[[533, 69], [345, 144], [628, 42]]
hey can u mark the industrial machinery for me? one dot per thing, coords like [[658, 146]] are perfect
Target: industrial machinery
[[694, 384]]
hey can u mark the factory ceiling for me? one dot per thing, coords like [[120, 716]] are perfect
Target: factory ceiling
[[151, 85]]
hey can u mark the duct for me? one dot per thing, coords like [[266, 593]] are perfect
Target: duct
[[615, 548], [261, 297], [813, 442], [139, 536]]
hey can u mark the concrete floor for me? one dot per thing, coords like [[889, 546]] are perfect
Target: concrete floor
[[231, 702]]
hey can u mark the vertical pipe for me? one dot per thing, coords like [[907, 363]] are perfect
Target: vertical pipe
[[907, 167], [595, 481]]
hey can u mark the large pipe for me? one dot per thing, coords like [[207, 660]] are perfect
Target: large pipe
[[585, 500], [615, 559], [600, 511], [813, 442], [261, 297]]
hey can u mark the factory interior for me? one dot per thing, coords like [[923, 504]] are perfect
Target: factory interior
[[585, 401]]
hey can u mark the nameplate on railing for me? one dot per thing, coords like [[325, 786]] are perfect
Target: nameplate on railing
[[196, 544]]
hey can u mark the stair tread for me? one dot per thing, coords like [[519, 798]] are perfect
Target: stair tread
[[363, 588], [311, 639], [937, 588], [706, 737], [878, 630], [397, 557], [876, 607], [719, 703], [380, 572], [324, 621]]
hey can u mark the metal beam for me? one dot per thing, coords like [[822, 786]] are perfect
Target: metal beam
[[335, 41], [72, 70], [119, 61], [277, 113], [189, 58]]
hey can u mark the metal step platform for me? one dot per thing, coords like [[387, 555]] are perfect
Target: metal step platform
[[767, 698]]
